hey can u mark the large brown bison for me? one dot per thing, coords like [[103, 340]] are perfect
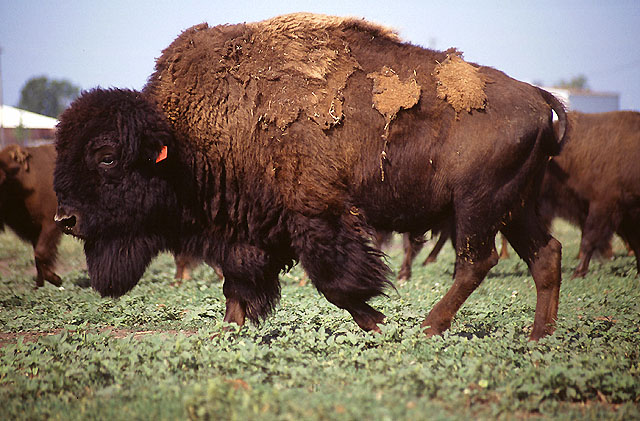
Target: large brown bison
[[28, 203], [595, 182], [288, 140]]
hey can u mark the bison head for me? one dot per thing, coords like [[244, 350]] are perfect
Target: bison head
[[13, 159], [111, 191]]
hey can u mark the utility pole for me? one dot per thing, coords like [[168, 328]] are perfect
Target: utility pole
[[1, 106]]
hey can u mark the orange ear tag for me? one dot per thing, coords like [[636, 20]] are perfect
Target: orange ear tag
[[163, 154]]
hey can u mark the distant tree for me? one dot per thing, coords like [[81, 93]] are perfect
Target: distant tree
[[577, 82], [47, 96]]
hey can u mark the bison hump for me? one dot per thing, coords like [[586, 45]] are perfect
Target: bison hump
[[311, 65], [298, 63]]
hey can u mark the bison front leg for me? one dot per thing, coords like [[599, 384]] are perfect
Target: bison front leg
[[184, 264], [44, 252], [470, 271], [543, 255], [251, 286], [342, 264], [235, 306]]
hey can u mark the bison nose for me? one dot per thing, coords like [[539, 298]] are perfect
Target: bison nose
[[65, 221]]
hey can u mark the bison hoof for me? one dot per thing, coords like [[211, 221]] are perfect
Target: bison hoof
[[431, 328], [55, 280], [538, 333], [429, 260], [404, 276], [369, 321], [429, 332]]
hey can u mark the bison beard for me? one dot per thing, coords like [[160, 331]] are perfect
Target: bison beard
[[290, 140], [116, 266]]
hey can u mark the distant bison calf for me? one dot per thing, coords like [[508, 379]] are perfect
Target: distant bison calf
[[28, 203], [595, 182], [262, 144]]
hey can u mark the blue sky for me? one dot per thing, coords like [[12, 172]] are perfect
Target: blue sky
[[115, 43]]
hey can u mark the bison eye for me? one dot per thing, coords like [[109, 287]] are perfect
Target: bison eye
[[107, 161]]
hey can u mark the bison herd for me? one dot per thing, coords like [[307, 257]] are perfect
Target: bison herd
[[302, 139]]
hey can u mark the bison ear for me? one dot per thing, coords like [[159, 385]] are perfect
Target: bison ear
[[155, 143], [155, 149], [163, 154]]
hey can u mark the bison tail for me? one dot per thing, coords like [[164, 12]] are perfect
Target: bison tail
[[563, 127]]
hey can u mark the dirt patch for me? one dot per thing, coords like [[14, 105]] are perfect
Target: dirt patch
[[313, 71], [460, 84], [12, 337], [390, 94]]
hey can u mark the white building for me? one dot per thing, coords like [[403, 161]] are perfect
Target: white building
[[587, 101], [24, 127]]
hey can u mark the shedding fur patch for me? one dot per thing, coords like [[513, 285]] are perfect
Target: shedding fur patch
[[460, 84], [390, 94], [314, 68]]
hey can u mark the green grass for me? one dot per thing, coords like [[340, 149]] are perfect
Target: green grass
[[159, 352]]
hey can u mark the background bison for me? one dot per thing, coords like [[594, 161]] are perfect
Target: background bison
[[289, 140], [28, 203], [413, 245], [595, 182]]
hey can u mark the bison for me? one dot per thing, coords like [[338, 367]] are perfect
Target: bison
[[28, 203], [413, 244], [595, 182], [259, 145], [184, 265]]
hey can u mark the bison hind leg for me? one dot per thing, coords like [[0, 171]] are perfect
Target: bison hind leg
[[412, 245], [473, 262], [340, 260], [597, 231], [46, 273], [543, 254]]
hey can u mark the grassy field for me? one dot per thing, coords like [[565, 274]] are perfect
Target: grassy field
[[159, 352]]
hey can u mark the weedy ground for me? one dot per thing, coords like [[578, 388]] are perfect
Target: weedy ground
[[159, 351]]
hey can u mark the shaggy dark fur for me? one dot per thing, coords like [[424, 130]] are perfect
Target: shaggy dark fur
[[595, 182], [280, 150], [28, 204]]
